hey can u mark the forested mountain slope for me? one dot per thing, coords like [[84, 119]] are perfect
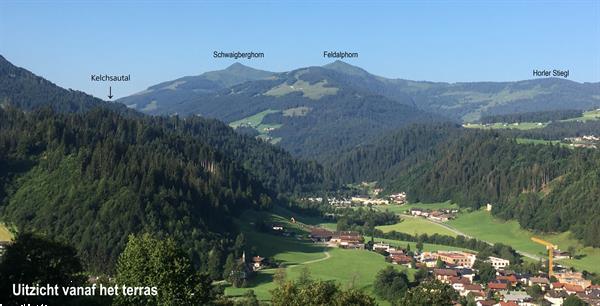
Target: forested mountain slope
[[315, 112], [309, 112], [93, 179], [545, 187], [165, 97], [90, 175], [25, 90]]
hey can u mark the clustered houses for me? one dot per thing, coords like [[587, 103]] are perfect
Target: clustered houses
[[441, 215], [507, 288], [361, 200], [393, 255], [588, 141], [366, 200]]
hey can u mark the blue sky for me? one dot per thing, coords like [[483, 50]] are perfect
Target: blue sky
[[155, 41]]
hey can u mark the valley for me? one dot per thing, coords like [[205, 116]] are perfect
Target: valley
[[324, 173]]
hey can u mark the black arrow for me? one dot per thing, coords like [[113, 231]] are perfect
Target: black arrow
[[110, 92]]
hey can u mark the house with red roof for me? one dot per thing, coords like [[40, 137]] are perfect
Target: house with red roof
[[497, 286]]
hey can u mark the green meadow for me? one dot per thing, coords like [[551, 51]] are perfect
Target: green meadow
[[349, 268], [428, 247], [416, 226], [482, 225], [587, 116], [405, 208], [255, 122]]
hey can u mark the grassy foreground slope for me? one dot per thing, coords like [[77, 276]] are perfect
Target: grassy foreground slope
[[482, 225], [350, 268]]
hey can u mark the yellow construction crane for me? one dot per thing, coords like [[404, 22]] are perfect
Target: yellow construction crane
[[550, 247]]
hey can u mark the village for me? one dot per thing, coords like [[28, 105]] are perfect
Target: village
[[586, 141], [456, 268], [361, 200]]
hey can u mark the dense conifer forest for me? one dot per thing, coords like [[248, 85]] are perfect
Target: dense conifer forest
[[91, 179], [545, 187]]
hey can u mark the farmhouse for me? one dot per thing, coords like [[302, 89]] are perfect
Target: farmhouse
[[381, 247], [439, 216], [318, 234], [257, 263], [348, 240]]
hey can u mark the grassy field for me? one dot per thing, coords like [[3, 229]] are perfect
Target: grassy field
[[312, 91], [482, 225], [402, 209], [426, 246], [416, 225], [587, 116], [5, 234], [350, 268], [255, 122]]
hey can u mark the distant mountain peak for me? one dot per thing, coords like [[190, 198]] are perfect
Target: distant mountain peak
[[237, 66], [343, 67]]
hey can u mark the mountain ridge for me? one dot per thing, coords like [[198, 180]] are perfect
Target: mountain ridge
[[465, 101]]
